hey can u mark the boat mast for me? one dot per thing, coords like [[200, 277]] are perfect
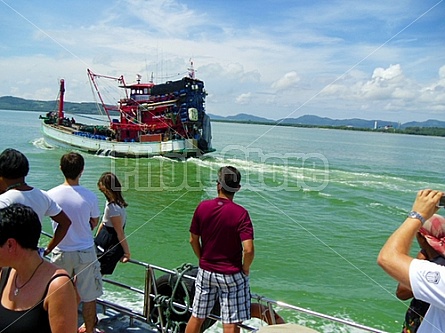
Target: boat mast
[[61, 94], [91, 75]]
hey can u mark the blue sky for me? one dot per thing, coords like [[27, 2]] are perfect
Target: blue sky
[[274, 59]]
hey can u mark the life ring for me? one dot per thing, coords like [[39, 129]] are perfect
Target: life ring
[[260, 311], [165, 286]]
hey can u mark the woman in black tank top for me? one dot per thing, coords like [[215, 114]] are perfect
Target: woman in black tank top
[[35, 295]]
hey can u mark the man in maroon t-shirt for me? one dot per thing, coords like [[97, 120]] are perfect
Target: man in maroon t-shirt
[[221, 235]]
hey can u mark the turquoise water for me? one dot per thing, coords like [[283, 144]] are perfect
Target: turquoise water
[[322, 201]]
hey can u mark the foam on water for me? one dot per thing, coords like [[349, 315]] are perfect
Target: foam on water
[[42, 144]]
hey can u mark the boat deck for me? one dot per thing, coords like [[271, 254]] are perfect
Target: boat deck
[[117, 322], [115, 317], [111, 320], [118, 318]]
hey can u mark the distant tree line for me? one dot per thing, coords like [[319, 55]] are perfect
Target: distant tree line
[[20, 104], [432, 131], [15, 103], [428, 131]]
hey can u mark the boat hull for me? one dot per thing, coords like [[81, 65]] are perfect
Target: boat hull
[[64, 137]]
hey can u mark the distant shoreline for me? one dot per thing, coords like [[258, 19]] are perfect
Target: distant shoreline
[[18, 104], [425, 131]]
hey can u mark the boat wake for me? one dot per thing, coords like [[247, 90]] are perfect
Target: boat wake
[[42, 144]]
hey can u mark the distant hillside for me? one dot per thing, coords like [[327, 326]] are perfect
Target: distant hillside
[[427, 123], [324, 121], [241, 117], [16, 103], [247, 117], [355, 122]]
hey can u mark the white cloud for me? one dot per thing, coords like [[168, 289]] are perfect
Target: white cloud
[[244, 98], [389, 89], [384, 83], [289, 80], [442, 73], [328, 61], [393, 72]]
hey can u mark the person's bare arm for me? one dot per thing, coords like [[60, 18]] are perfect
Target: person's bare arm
[[394, 256], [99, 228], [405, 292], [93, 222], [61, 304], [63, 223], [196, 244], [119, 228], [248, 255]]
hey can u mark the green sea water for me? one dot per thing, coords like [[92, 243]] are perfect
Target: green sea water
[[323, 202]]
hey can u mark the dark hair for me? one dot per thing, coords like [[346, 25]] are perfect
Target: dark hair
[[13, 164], [21, 223], [72, 165], [229, 178], [113, 188]]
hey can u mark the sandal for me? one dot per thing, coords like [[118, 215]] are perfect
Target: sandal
[[83, 329]]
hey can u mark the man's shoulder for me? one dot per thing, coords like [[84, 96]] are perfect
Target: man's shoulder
[[54, 189], [5, 200], [67, 188], [208, 202], [25, 197], [85, 190], [14, 194], [221, 203]]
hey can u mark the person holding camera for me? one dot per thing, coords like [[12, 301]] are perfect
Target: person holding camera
[[426, 279], [429, 239]]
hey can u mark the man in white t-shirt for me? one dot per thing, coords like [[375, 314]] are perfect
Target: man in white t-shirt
[[76, 253], [14, 167], [426, 279]]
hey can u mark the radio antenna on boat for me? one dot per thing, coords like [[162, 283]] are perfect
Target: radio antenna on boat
[[191, 70]]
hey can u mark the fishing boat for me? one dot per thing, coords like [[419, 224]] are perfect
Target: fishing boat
[[167, 119]]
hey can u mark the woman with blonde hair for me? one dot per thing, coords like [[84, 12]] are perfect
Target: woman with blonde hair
[[111, 242]]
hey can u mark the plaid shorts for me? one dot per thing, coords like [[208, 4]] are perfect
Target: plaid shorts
[[232, 290]]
